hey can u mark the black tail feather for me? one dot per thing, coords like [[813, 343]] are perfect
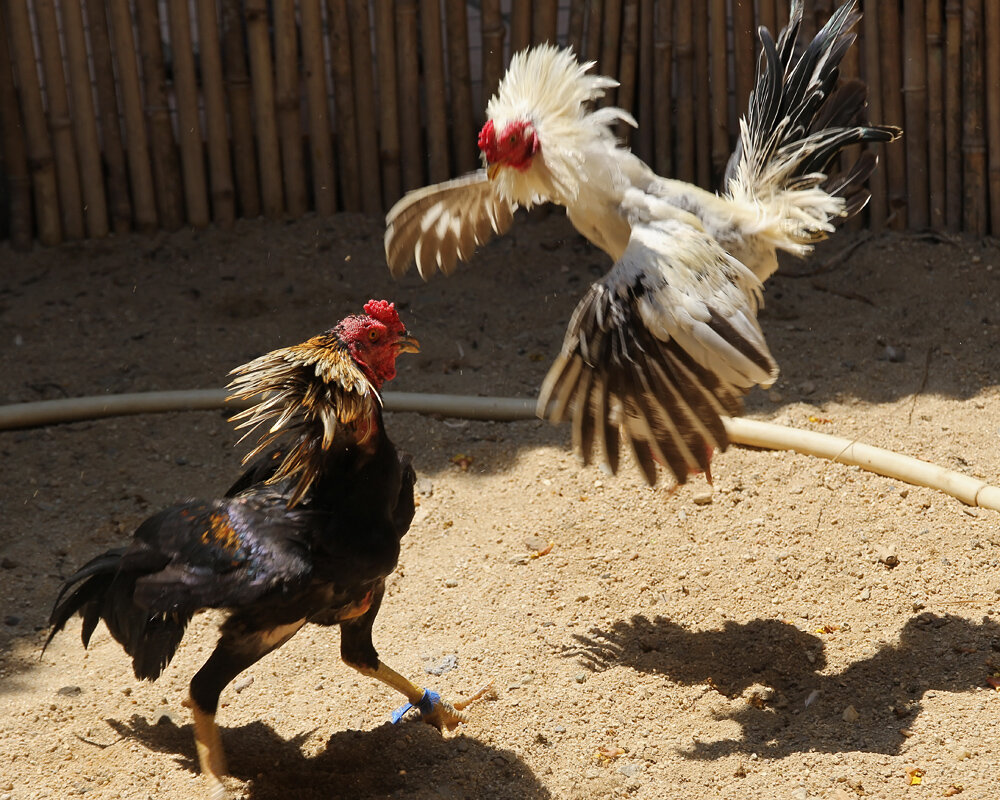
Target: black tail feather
[[94, 579], [103, 589], [797, 108], [845, 108]]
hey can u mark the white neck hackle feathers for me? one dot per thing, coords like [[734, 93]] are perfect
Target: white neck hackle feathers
[[549, 88]]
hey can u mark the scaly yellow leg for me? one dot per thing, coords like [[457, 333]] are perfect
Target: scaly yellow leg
[[443, 716], [211, 756]]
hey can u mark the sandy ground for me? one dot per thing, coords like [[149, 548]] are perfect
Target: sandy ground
[[750, 639]]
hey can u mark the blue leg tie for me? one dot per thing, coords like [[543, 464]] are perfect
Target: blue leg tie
[[425, 706]]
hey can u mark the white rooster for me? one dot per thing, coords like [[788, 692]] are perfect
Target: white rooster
[[668, 340]]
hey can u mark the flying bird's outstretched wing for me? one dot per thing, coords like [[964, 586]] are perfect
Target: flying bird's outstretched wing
[[658, 350], [438, 225]]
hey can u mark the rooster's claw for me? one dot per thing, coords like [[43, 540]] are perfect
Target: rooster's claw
[[434, 711], [444, 716]]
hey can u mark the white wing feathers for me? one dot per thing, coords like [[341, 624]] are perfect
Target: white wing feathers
[[699, 295], [438, 225], [658, 349]]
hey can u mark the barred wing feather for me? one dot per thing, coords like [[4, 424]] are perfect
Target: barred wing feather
[[658, 350], [438, 225]]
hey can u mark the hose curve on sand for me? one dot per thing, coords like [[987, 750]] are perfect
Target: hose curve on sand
[[749, 432]]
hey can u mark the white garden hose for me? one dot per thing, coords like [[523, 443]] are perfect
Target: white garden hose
[[970, 491], [48, 412], [752, 433]]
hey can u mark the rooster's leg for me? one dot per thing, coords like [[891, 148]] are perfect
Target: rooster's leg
[[358, 651], [240, 646], [211, 756]]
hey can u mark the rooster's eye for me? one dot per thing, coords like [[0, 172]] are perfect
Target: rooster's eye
[[512, 138], [373, 335]]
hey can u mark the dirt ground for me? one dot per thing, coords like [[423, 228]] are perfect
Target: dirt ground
[[753, 640]]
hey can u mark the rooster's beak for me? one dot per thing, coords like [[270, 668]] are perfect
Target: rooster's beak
[[408, 344], [492, 170]]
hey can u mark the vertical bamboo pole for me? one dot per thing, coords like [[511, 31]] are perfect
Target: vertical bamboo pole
[[343, 98], [719, 74], [39, 145], [592, 42], [702, 93], [953, 114], [973, 139], [663, 99], [822, 9], [188, 123], [935, 115], [877, 207], [611, 39], [95, 200], [412, 152], [364, 99], [140, 169], [647, 24], [991, 27], [767, 15], [780, 11], [915, 107], [574, 30], [627, 64], [462, 121], [214, 94], [166, 171], [110, 123], [684, 118], [493, 36], [434, 89], [408, 76], [850, 65], [262, 85], [385, 50], [287, 106], [744, 38], [67, 168], [892, 110], [321, 161], [544, 21], [241, 120], [850, 69], [15, 149], [520, 25]]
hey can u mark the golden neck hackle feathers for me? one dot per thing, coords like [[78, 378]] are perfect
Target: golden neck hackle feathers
[[315, 394], [553, 91]]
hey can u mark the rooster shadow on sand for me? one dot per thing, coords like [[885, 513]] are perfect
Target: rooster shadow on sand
[[771, 672], [411, 759]]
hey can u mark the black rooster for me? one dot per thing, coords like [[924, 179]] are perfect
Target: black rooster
[[307, 534]]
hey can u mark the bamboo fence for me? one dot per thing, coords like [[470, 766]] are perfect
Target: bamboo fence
[[120, 115]]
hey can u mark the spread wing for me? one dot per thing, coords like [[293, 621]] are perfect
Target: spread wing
[[437, 225], [658, 350], [314, 395]]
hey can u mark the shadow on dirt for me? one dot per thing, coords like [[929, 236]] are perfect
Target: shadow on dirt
[[792, 707], [411, 760]]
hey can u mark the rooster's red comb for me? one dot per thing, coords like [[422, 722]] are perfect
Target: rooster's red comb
[[488, 141], [384, 312]]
